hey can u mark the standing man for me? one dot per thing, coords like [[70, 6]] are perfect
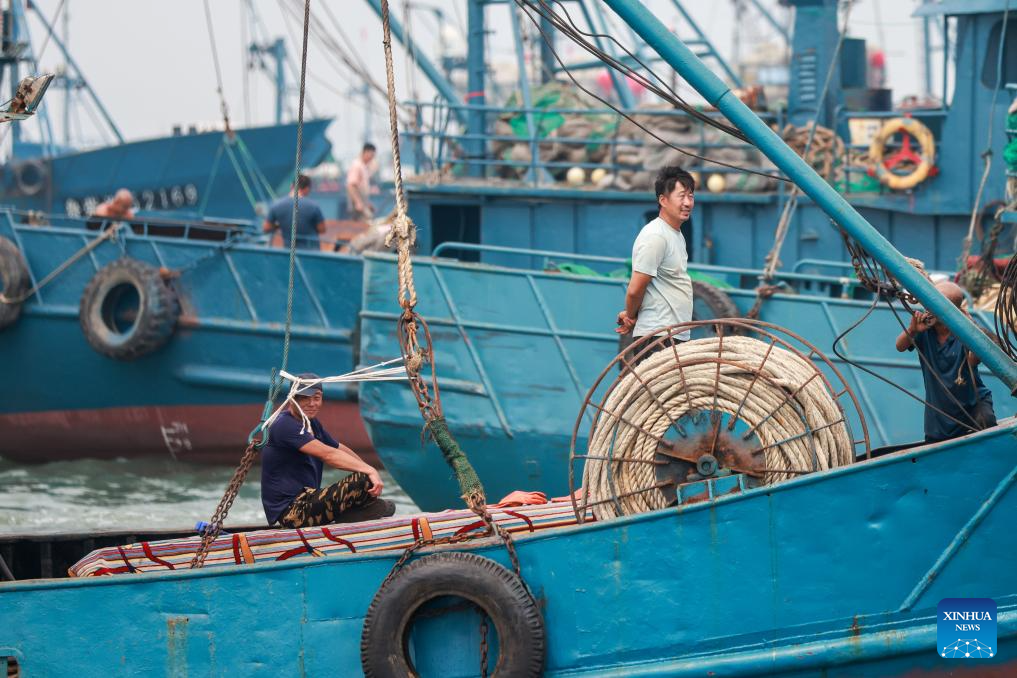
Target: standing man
[[310, 221], [660, 289], [291, 468], [358, 185], [957, 401]]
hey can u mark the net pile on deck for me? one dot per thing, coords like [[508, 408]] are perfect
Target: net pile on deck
[[568, 137], [270, 545]]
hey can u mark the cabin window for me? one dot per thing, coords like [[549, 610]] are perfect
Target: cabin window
[[456, 223], [991, 64]]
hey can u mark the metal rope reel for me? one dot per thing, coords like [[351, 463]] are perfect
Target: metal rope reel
[[708, 417]]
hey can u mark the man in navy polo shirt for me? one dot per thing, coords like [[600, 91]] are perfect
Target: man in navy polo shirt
[[291, 467], [957, 400]]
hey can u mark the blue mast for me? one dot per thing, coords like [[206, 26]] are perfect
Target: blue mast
[[69, 60], [443, 86], [475, 76], [276, 50], [836, 207]]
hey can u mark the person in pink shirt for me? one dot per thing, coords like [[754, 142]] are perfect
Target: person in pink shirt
[[358, 185]]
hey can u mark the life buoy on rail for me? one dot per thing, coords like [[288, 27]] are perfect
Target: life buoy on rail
[[925, 162], [497, 591], [30, 176], [14, 282], [128, 310]]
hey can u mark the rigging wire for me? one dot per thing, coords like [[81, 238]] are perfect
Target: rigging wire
[[843, 356], [568, 27], [987, 153], [218, 70], [1005, 317], [526, 5], [49, 34]]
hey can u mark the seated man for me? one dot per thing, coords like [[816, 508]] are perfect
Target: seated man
[[120, 206], [957, 400], [291, 469]]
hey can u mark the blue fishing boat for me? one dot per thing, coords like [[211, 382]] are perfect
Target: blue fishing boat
[[522, 337], [785, 571], [501, 177], [222, 173], [518, 349], [193, 393]]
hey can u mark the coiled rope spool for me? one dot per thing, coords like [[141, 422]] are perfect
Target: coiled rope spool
[[729, 404]]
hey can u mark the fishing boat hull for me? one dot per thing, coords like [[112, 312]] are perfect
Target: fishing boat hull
[[518, 349], [834, 574], [188, 173], [198, 396], [213, 434]]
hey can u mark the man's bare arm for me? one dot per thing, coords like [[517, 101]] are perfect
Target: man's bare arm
[[344, 459]]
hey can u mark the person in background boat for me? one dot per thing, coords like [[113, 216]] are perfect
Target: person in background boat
[[310, 220], [659, 293], [117, 208], [358, 185], [956, 399], [292, 462]]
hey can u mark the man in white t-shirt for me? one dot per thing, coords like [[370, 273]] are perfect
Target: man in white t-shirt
[[660, 289]]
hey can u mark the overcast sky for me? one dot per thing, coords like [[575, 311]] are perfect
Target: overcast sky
[[151, 63]]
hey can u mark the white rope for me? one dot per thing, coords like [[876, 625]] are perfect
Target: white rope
[[788, 394], [378, 372]]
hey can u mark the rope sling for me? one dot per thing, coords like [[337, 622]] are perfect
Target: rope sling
[[411, 327]]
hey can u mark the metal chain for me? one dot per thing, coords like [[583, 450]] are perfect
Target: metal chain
[[211, 533], [215, 524], [483, 643]]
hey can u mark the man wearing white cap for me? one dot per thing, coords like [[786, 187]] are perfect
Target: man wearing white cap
[[291, 468]]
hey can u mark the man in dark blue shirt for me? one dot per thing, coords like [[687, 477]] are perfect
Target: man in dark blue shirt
[[958, 402], [310, 221], [291, 468]]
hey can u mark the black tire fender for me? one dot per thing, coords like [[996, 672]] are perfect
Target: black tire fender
[[153, 323], [384, 644], [14, 282], [709, 302]]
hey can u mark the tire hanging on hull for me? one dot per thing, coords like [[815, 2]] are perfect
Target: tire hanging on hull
[[128, 310], [14, 282], [494, 589]]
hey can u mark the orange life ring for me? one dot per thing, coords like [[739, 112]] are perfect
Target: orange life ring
[[925, 161]]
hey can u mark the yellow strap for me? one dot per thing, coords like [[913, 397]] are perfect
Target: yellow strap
[[245, 549], [425, 529]]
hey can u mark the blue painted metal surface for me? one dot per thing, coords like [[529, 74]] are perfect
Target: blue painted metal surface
[[838, 209], [735, 228], [199, 396], [177, 175], [834, 574], [517, 350]]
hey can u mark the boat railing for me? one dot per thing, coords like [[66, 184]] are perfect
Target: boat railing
[[525, 259], [198, 229], [526, 144]]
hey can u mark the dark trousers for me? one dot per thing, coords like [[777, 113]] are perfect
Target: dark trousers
[[335, 503]]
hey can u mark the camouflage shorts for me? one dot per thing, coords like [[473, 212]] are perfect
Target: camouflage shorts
[[321, 507]]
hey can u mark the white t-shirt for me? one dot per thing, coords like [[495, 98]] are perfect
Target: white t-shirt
[[358, 178], [659, 251]]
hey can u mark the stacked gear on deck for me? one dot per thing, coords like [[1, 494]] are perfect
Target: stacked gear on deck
[[634, 146], [387, 534]]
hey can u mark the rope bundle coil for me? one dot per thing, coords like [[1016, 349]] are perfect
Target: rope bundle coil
[[778, 394]]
